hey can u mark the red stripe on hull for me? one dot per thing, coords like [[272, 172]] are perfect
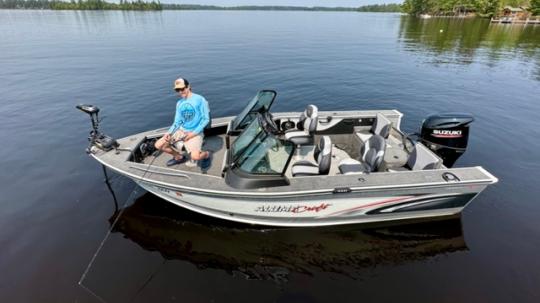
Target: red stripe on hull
[[371, 204]]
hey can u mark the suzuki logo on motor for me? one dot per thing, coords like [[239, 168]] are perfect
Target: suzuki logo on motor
[[447, 133]]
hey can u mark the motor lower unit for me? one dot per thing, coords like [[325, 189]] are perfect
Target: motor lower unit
[[447, 135]]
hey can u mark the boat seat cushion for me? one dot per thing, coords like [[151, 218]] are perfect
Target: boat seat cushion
[[352, 166], [309, 119], [306, 125], [323, 156], [372, 156], [299, 137], [422, 158], [305, 168], [380, 127]]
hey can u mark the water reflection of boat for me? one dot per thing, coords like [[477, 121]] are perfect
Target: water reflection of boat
[[273, 254]]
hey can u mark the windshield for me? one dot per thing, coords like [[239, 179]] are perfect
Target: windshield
[[258, 152], [261, 102]]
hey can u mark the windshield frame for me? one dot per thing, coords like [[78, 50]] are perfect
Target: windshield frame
[[254, 106]]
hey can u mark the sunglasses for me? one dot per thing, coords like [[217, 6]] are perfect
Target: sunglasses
[[180, 89]]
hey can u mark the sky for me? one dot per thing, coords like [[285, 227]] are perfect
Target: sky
[[328, 3]]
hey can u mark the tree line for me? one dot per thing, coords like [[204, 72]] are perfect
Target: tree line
[[483, 8], [141, 5], [381, 8], [80, 5], [173, 6], [367, 8]]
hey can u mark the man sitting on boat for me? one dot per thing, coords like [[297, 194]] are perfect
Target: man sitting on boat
[[192, 116]]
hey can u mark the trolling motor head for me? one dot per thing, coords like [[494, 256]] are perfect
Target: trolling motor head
[[96, 138], [89, 109]]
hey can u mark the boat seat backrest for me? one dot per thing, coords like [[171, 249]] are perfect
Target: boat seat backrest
[[323, 158], [309, 119], [306, 127], [323, 154], [422, 158], [373, 152], [381, 126]]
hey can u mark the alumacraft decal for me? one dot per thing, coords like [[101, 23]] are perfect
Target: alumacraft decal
[[296, 209], [446, 133]]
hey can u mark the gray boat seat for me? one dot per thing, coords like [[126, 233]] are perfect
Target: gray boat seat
[[380, 127], [372, 156], [323, 156], [421, 158], [306, 127]]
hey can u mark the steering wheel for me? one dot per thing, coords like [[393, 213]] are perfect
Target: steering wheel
[[269, 121]]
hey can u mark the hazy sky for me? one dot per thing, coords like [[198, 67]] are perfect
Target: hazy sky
[[345, 3]]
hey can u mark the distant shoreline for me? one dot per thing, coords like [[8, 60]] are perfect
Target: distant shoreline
[[157, 6]]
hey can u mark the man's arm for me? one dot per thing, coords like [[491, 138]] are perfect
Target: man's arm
[[177, 121], [205, 116]]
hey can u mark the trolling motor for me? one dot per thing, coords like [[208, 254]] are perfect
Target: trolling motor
[[97, 138], [447, 135]]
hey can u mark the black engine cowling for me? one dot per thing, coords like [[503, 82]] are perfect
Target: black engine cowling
[[447, 135]]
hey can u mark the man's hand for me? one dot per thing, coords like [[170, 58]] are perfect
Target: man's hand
[[189, 135], [167, 137]]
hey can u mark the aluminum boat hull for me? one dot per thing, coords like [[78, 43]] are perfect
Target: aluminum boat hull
[[306, 201], [320, 210]]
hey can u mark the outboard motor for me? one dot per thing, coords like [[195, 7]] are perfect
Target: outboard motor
[[447, 135], [96, 138]]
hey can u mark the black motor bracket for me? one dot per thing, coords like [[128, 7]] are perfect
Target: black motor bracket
[[96, 138]]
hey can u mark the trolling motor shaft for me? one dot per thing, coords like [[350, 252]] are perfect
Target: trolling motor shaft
[[96, 138]]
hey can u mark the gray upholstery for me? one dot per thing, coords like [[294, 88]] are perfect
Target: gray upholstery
[[350, 165], [306, 126], [299, 137], [372, 156], [422, 158], [380, 127], [323, 156]]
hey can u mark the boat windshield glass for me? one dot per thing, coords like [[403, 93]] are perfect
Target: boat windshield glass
[[257, 152], [261, 102]]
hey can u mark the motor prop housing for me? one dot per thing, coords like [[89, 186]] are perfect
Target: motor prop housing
[[447, 135]]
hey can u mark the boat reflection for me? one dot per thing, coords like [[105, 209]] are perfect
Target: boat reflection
[[273, 254]]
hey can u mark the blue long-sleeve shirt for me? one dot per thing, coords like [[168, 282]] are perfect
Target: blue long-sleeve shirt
[[192, 115]]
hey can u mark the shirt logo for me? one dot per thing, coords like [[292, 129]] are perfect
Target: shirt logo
[[187, 112]]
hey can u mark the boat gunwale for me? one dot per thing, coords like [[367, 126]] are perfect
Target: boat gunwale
[[300, 193]]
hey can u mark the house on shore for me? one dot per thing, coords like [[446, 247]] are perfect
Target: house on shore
[[520, 13], [515, 15]]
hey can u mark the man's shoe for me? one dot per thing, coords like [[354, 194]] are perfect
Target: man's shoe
[[174, 161], [205, 163]]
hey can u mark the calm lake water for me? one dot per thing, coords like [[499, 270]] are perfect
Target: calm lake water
[[56, 210]]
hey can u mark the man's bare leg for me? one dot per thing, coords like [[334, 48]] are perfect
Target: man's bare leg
[[164, 146], [199, 155]]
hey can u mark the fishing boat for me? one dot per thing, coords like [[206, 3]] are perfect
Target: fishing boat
[[310, 168]]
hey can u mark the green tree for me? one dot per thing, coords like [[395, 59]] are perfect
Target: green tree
[[487, 8], [535, 7]]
